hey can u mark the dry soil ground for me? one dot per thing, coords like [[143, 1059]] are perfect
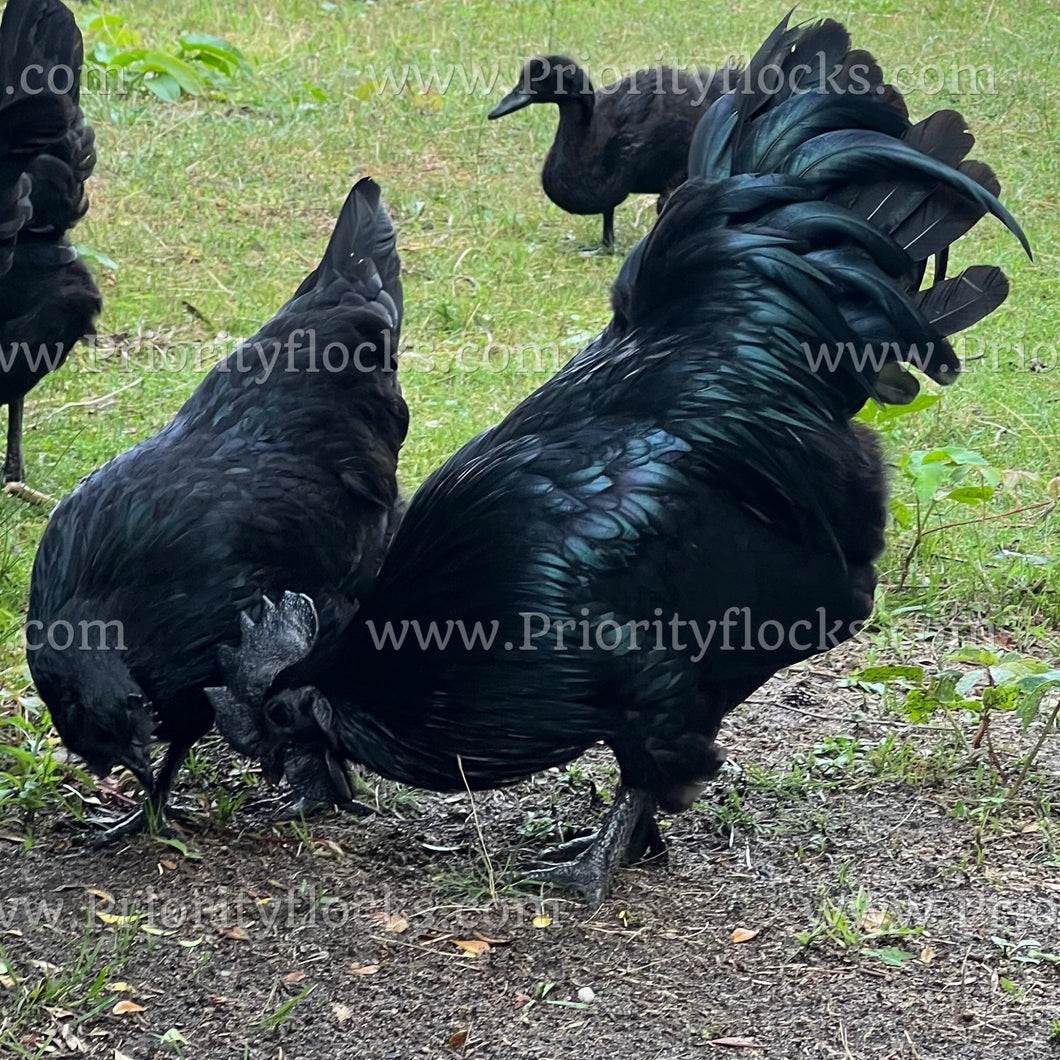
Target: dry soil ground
[[878, 918]]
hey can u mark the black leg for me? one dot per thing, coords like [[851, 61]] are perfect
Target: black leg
[[645, 843], [151, 815], [14, 471], [568, 850], [608, 241], [628, 830]]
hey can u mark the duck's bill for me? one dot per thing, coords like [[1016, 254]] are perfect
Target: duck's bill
[[515, 100]]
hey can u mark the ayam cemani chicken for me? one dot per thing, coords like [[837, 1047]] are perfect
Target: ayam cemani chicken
[[696, 462], [279, 471], [48, 299], [627, 138]]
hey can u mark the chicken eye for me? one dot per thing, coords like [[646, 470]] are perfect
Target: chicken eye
[[280, 714]]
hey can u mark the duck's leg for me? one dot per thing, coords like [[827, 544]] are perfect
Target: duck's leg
[[607, 243], [14, 469], [627, 832]]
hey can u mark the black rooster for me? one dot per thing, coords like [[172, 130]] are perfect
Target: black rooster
[[686, 507], [280, 470], [629, 138], [48, 299]]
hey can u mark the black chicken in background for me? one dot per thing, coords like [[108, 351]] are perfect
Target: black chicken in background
[[686, 507], [280, 470], [48, 299]]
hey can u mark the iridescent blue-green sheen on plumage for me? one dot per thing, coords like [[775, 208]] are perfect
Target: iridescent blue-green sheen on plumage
[[695, 460]]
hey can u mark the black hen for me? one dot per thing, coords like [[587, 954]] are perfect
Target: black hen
[[628, 138], [48, 299], [686, 507], [280, 470]]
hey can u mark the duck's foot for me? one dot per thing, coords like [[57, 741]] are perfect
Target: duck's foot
[[599, 248], [627, 834]]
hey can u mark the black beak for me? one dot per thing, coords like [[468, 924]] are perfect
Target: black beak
[[272, 769], [515, 100], [141, 769], [340, 781]]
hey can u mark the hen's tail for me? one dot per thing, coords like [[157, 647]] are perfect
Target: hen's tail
[[363, 252], [41, 54], [814, 205]]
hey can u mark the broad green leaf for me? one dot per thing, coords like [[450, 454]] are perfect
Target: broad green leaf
[[970, 494], [163, 86], [972, 654], [969, 681], [918, 705], [884, 416], [182, 72], [1004, 698], [95, 257], [901, 513], [926, 481], [218, 50]]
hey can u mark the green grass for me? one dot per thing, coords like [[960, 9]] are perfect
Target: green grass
[[80, 987], [214, 210]]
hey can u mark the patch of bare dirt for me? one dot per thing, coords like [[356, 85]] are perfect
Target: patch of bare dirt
[[383, 934]]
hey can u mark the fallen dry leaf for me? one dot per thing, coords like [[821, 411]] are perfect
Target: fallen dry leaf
[[102, 895], [71, 1040], [294, 977], [734, 1043], [362, 969], [119, 988], [392, 922], [744, 934], [472, 947], [341, 1012], [874, 920], [927, 955], [457, 1041], [169, 866], [124, 1007], [113, 918], [236, 933]]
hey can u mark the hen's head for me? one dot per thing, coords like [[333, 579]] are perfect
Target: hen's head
[[97, 707]]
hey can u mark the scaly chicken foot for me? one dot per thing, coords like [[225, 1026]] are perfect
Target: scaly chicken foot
[[150, 817], [646, 843], [146, 819], [303, 807], [628, 831]]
